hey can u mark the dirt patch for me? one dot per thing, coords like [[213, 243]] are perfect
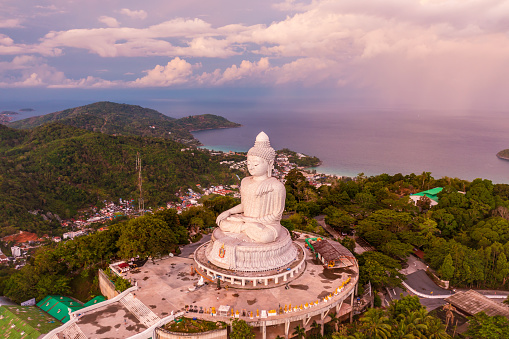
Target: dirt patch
[[135, 328], [117, 326], [251, 302], [103, 330], [145, 278], [330, 274], [300, 287], [185, 279], [323, 294]]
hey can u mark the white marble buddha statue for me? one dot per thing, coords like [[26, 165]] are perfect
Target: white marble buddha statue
[[250, 237], [262, 198]]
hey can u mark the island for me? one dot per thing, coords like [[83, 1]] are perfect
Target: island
[[504, 155]]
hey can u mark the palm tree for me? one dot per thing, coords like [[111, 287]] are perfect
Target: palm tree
[[402, 331], [300, 332], [436, 330], [357, 335], [340, 334], [316, 326], [375, 324], [417, 322], [334, 319]]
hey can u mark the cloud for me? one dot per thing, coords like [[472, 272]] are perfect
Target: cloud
[[30, 71], [177, 71], [246, 69], [139, 14], [449, 52], [10, 23], [134, 42], [109, 21]]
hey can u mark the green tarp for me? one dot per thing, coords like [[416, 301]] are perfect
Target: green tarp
[[59, 306], [95, 300]]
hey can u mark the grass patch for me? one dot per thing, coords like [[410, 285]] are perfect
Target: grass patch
[[188, 325]]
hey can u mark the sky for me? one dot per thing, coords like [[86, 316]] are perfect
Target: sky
[[389, 54]]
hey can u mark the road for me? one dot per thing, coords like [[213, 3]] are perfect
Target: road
[[187, 250]]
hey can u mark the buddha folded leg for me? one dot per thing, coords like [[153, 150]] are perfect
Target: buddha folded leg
[[232, 224], [260, 233], [256, 231]]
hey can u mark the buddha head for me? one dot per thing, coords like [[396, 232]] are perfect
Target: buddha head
[[261, 156]]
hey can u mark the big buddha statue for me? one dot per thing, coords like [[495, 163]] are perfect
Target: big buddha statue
[[250, 236]]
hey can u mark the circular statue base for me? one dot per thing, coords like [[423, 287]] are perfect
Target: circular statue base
[[234, 251], [268, 278]]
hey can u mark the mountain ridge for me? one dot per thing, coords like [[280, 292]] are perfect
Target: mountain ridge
[[131, 120]]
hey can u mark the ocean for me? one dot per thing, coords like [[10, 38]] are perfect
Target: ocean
[[375, 142], [454, 143]]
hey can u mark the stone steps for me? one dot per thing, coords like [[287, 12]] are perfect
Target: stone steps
[[139, 310]]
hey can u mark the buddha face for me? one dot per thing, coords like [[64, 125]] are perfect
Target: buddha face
[[257, 166]]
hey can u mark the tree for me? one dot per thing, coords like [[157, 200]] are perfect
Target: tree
[[299, 332], [241, 330], [220, 203], [170, 217], [146, 236], [375, 325], [436, 329], [338, 218], [502, 269], [334, 320], [404, 306], [447, 268], [486, 327], [424, 203], [316, 326], [380, 269]]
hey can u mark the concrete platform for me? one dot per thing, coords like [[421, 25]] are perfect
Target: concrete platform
[[163, 286]]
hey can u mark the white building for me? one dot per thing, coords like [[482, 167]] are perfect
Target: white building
[[16, 251]]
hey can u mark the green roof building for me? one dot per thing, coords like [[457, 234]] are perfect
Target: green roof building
[[432, 194], [25, 322], [59, 306]]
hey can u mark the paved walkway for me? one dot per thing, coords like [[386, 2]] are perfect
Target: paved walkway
[[321, 221]]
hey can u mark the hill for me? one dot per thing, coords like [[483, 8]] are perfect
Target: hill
[[503, 154], [61, 169], [122, 119]]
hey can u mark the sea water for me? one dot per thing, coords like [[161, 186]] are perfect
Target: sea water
[[459, 144]]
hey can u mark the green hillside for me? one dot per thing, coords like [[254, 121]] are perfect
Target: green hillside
[[122, 119], [62, 169]]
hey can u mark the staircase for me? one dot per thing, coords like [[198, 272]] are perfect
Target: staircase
[[139, 310]]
